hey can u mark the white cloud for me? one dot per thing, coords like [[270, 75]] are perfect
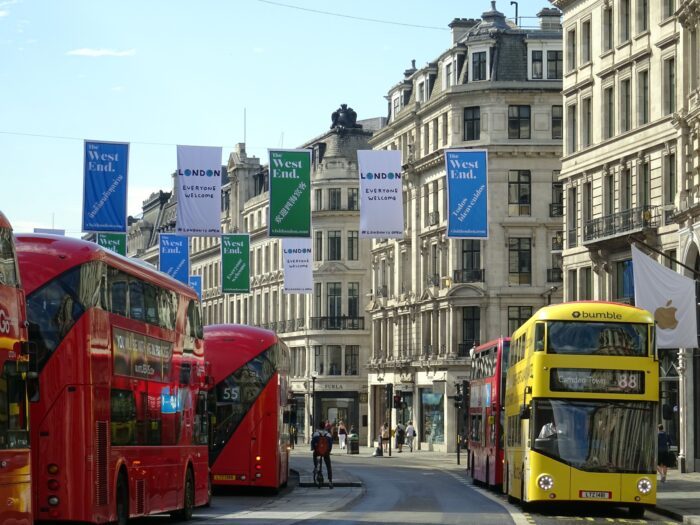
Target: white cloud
[[90, 52], [4, 13], [258, 50], [118, 88]]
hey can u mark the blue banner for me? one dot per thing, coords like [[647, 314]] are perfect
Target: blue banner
[[196, 284], [175, 256], [105, 167], [467, 194]]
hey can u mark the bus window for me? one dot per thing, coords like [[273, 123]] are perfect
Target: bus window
[[123, 417], [539, 337], [8, 268], [136, 306], [150, 301], [118, 297]]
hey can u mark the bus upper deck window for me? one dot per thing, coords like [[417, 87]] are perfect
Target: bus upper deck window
[[539, 337]]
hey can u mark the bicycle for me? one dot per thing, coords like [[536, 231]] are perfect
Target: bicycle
[[318, 473]]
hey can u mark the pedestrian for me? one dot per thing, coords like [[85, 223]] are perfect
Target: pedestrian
[[386, 436], [342, 434], [400, 434], [410, 435], [292, 436], [664, 453]]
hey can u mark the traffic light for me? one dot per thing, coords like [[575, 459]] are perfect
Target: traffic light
[[389, 394], [397, 400]]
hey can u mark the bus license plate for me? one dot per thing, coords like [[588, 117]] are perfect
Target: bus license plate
[[594, 494]]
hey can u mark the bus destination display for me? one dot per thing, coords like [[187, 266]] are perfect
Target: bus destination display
[[596, 381]]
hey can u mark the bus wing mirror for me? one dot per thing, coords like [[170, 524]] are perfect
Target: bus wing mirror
[[524, 412]]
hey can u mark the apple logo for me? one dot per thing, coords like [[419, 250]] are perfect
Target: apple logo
[[665, 316]]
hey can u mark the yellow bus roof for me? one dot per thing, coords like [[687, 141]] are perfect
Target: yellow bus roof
[[600, 311]]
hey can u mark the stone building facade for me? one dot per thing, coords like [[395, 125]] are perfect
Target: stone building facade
[[496, 87], [630, 93]]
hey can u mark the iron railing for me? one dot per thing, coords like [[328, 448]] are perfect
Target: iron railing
[[469, 276], [621, 223], [556, 209], [337, 323]]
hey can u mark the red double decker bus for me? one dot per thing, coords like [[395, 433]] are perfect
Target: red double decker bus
[[15, 488], [250, 433], [485, 412], [120, 429]]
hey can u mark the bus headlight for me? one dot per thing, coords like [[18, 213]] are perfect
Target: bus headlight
[[545, 482], [53, 501], [644, 486]]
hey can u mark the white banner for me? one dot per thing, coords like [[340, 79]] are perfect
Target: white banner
[[198, 185], [670, 297], [298, 265], [381, 195]]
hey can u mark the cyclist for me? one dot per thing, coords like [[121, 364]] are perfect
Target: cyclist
[[321, 444]]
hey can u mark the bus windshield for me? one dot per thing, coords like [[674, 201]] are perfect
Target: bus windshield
[[591, 338], [596, 436]]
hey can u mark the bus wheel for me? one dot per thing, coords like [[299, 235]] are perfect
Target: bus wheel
[[185, 513], [122, 500], [637, 511]]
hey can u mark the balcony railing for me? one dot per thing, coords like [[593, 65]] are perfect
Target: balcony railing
[[556, 209], [464, 347], [554, 275], [432, 280], [622, 223], [299, 324], [469, 276], [337, 323]]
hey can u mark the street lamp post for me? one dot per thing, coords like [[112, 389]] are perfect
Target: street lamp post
[[313, 402]]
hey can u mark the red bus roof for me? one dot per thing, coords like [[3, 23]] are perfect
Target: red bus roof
[[43, 257], [230, 346]]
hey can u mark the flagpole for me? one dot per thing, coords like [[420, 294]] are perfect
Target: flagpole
[[632, 240]]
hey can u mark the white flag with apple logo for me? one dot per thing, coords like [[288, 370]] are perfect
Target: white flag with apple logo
[[670, 297]]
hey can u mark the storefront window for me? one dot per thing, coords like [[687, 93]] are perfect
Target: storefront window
[[405, 413], [334, 360], [433, 416]]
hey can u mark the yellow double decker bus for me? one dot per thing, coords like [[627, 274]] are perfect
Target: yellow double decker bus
[[582, 392]]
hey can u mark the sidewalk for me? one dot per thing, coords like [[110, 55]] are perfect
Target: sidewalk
[[679, 497]]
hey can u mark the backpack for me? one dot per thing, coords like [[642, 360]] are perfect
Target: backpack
[[321, 447], [400, 432]]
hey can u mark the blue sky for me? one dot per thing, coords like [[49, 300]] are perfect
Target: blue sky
[[157, 73]]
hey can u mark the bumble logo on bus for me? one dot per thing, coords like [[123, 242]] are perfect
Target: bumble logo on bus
[[603, 316]]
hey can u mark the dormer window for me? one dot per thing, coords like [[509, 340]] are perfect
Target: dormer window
[[448, 74], [479, 66], [420, 96], [395, 105]]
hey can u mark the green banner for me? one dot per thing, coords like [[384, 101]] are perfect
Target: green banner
[[235, 263], [290, 193], [113, 241]]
